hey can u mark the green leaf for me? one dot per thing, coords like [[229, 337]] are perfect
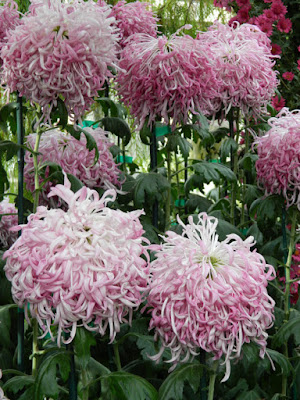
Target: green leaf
[[90, 140], [213, 172], [220, 133], [241, 386], [248, 161], [197, 202], [146, 134], [118, 127], [107, 104], [176, 141], [10, 148], [5, 113], [292, 327], [228, 145], [172, 387], [4, 182], [193, 182], [225, 228], [198, 132], [256, 233], [251, 194], [17, 383], [59, 177], [5, 325], [125, 386], [284, 363], [83, 342], [60, 113], [46, 383], [252, 395], [149, 186]]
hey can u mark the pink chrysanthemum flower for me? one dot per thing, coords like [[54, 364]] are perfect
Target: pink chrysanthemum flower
[[209, 294], [284, 25], [133, 18], [278, 164], [167, 79], [243, 63], [9, 18], [7, 237], [74, 158], [61, 50], [278, 103], [76, 267]]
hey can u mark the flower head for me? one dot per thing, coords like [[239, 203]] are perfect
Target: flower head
[[74, 158], [9, 19], [278, 103], [276, 49], [61, 50], [284, 25], [209, 294], [7, 237], [278, 164], [243, 63], [133, 18], [75, 267], [166, 78], [289, 76]]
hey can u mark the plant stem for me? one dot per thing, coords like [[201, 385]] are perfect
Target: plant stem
[[36, 172], [117, 356], [212, 379], [168, 200], [85, 390], [287, 290], [35, 347]]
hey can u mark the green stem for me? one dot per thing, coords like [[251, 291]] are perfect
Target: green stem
[[85, 381], [287, 290], [212, 380], [117, 356], [36, 172], [35, 347], [124, 155], [168, 201]]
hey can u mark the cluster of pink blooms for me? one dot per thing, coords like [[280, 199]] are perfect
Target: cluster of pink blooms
[[133, 18], [75, 267], [209, 294], [74, 158], [9, 19], [7, 237], [166, 78], [61, 50], [278, 164], [243, 62]]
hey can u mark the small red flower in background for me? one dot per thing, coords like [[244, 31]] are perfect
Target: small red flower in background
[[289, 76], [276, 49], [277, 103], [278, 9], [284, 25]]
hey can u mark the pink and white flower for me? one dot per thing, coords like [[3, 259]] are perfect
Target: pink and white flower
[[136, 17], [7, 237], [9, 19], [243, 63], [74, 267], [74, 158], [209, 294], [166, 78], [61, 51], [278, 164]]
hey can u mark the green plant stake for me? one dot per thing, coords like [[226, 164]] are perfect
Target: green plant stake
[[20, 138]]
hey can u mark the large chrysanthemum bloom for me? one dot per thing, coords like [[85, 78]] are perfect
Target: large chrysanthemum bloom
[[133, 18], [167, 79], [74, 158], [9, 19], [61, 50], [209, 294], [278, 164], [7, 237], [76, 267], [244, 64]]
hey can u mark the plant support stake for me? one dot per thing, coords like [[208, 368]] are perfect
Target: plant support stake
[[153, 166], [20, 138]]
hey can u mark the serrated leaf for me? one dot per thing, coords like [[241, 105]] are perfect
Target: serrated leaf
[[284, 363], [118, 127], [211, 172], [125, 386], [60, 113], [108, 104], [197, 202], [176, 141], [222, 205], [228, 145], [145, 134], [292, 327], [5, 324], [202, 133], [10, 148], [17, 383], [256, 233], [251, 194], [90, 140], [83, 342], [59, 177], [149, 186], [193, 182], [150, 230], [172, 387], [224, 228], [241, 386], [46, 383], [5, 112]]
